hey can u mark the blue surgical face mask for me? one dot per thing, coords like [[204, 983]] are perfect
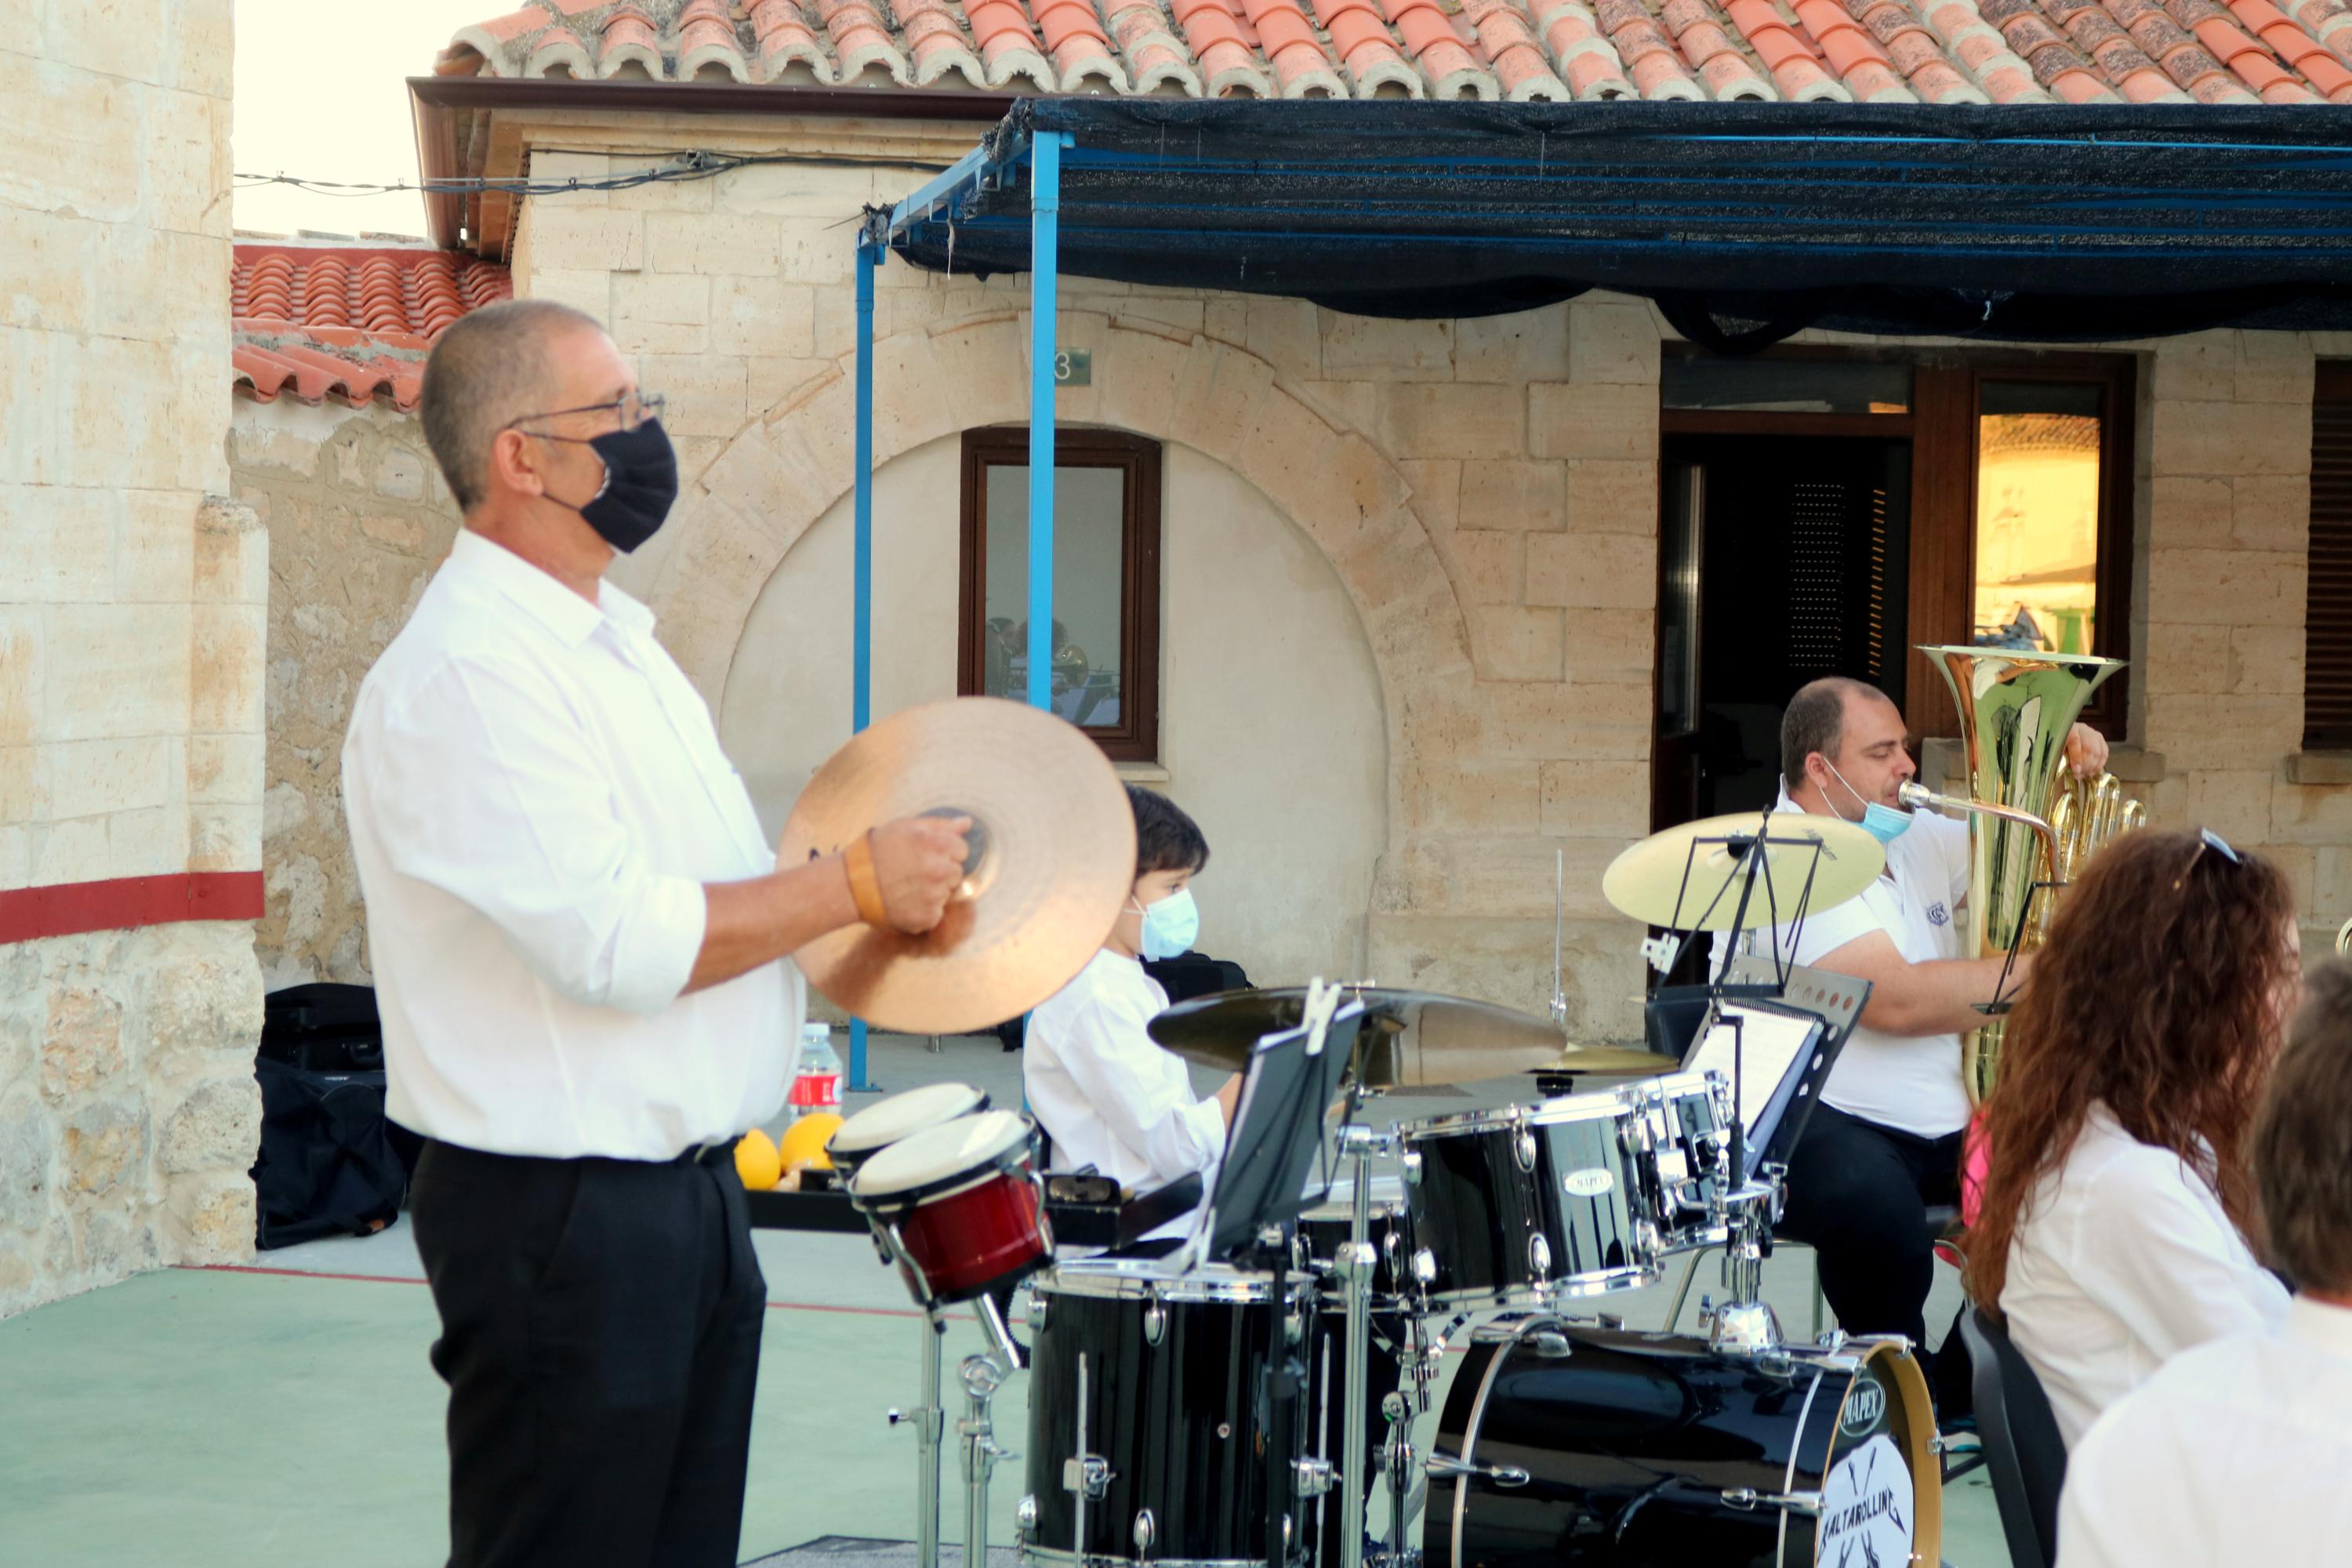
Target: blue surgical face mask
[[1170, 925], [1882, 823]]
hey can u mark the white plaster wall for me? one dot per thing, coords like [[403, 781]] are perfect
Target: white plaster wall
[[1271, 719]]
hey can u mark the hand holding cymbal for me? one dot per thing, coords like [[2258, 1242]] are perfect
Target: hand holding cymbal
[[918, 864]]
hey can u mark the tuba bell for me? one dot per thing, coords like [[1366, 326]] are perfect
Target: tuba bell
[[2029, 823]]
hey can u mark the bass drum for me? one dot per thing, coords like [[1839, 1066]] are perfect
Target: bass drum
[[1592, 1446]]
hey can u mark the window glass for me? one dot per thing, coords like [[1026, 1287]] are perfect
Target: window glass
[[1089, 590], [2037, 540], [1786, 386]]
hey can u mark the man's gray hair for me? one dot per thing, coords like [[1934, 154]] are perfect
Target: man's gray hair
[[1815, 721], [489, 370], [2301, 1151]]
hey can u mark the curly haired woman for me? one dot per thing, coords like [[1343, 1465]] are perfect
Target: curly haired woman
[[2117, 1206]]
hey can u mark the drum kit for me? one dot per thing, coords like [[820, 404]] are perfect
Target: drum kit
[[1194, 1404]]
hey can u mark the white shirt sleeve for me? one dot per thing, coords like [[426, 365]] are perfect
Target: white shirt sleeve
[[478, 785], [1120, 1072], [2149, 1251]]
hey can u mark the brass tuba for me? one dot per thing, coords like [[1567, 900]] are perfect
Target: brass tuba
[[2033, 823]]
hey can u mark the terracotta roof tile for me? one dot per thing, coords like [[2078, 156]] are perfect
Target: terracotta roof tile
[[1935, 51], [347, 323]]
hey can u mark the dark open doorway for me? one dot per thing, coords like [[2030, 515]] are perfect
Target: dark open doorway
[[1782, 558]]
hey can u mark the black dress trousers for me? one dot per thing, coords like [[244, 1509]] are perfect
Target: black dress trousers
[[600, 1336]]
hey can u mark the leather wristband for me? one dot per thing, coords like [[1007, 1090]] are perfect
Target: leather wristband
[[864, 882]]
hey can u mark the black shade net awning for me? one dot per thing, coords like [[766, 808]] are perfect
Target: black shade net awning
[[1745, 222]]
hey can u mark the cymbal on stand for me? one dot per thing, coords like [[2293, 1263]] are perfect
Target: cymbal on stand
[[1688, 877], [1405, 1039], [1052, 861]]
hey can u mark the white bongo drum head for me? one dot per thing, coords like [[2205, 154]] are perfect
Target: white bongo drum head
[[941, 1154], [887, 1120]]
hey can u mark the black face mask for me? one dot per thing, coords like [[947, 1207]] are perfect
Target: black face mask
[[640, 484]]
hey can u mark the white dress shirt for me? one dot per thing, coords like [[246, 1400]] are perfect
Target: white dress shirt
[[536, 797], [1106, 1093], [2124, 1259], [2235, 1452], [1910, 1082]]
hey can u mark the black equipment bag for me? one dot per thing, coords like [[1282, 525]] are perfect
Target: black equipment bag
[[1183, 977], [332, 1162]]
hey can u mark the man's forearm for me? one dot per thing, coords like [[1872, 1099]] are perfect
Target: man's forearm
[[1937, 997], [763, 919]]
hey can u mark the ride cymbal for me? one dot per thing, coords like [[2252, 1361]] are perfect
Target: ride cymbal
[[1051, 863], [1647, 881], [1405, 1038], [1610, 1062]]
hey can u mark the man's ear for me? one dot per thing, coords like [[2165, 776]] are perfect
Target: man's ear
[[513, 463]]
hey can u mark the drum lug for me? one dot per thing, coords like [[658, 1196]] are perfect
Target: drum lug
[[1155, 1320], [1549, 1343], [1523, 1149], [1024, 1514], [1038, 1300], [1147, 1531], [1087, 1476], [1539, 1257], [1314, 1477], [1294, 1326], [1746, 1499], [1646, 1241], [1424, 1265], [1410, 1165], [1444, 1465], [1830, 1340]]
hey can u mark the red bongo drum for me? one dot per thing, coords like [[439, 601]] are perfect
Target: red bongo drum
[[961, 1206]]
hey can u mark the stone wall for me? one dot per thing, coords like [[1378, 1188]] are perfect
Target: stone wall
[[131, 642], [358, 518]]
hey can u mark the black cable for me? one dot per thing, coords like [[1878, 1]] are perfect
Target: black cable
[[696, 164]]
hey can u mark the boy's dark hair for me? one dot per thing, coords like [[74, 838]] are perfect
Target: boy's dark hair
[[1166, 840], [2302, 1140]]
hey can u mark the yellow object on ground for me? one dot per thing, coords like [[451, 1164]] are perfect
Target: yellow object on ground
[[804, 1140], [757, 1161]]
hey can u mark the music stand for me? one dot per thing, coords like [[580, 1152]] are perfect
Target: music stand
[[1829, 1003], [1276, 1134]]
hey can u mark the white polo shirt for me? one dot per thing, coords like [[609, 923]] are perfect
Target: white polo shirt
[[536, 797], [1909, 1082], [1105, 1092]]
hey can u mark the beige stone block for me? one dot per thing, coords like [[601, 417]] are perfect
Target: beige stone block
[[1597, 799], [116, 671], [1502, 876], [24, 785], [1515, 493], [764, 316], [721, 242], [1217, 398], [1436, 485], [52, 259], [582, 288], [217, 1127], [1469, 420], [228, 649], [1438, 717], [2198, 367], [223, 769], [1354, 404], [2185, 658], [1611, 496], [910, 403], [1372, 348], [184, 155], [1187, 316], [2272, 512], [64, 852], [15, 862], [662, 313], [1509, 962], [983, 369], [1513, 642], [106, 1144], [82, 1047], [1611, 343], [2225, 587], [210, 1218], [129, 38], [590, 169], [2197, 730], [709, 394], [2206, 437], [70, 139], [1463, 795], [2274, 367], [1421, 628], [155, 547], [147, 843], [1488, 567], [770, 381], [1572, 719], [95, 778], [224, 837], [1286, 333], [2328, 887], [402, 475], [2319, 815], [1612, 646], [1593, 419], [824, 258], [1597, 572], [585, 238], [2266, 659], [2191, 513], [1285, 434], [57, 544], [23, 690], [2233, 802], [816, 196], [659, 198], [1527, 345]]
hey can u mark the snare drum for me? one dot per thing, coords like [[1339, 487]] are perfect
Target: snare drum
[[1145, 1394], [886, 1120], [1526, 1204], [960, 1206], [1690, 1141]]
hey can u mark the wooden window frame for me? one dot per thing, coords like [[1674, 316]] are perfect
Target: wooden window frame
[[1136, 737], [2331, 391], [1942, 428]]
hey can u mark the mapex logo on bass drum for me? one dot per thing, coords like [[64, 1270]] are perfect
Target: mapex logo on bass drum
[[1588, 1184], [1864, 1408]]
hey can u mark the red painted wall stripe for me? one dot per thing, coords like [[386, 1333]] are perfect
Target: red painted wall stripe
[[125, 902]]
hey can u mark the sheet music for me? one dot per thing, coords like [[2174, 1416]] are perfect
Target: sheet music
[[1770, 1043]]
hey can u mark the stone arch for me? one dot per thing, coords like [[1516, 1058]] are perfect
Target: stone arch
[[790, 465]]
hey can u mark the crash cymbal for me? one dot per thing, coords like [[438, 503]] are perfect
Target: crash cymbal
[[1053, 858], [1610, 1062], [1647, 881], [1406, 1038]]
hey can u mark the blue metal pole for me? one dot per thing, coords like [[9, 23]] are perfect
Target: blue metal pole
[[1045, 264], [861, 636]]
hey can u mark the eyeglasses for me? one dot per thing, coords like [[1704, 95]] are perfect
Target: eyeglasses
[[2208, 839], [632, 411]]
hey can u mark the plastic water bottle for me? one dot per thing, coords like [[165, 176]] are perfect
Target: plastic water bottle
[[818, 1084]]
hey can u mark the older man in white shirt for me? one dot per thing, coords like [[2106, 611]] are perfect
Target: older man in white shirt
[[579, 935], [2237, 1451]]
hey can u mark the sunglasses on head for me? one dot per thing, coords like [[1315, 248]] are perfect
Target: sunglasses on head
[[2208, 839]]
